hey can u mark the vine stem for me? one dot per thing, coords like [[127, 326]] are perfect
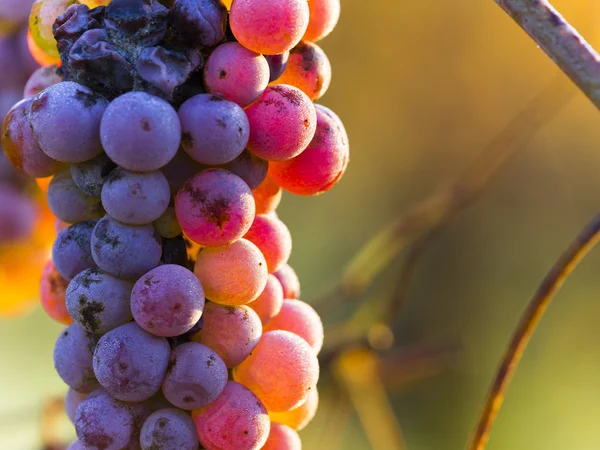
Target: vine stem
[[553, 281], [561, 42]]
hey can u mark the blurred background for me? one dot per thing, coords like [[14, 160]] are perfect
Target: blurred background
[[423, 87]]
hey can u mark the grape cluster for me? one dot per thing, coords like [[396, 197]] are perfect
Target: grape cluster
[[170, 130]]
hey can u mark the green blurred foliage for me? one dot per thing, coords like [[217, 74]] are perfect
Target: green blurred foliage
[[422, 87]]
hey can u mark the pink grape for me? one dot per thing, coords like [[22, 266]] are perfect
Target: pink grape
[[231, 331], [269, 302], [267, 196], [300, 318], [273, 239], [308, 69], [234, 274], [282, 437], [282, 123], [215, 207], [289, 281], [40, 79], [281, 370], [324, 15], [167, 301], [321, 165], [269, 26], [236, 73], [301, 416], [20, 145], [195, 378], [235, 420], [53, 288]]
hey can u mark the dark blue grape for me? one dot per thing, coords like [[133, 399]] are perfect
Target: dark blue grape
[[72, 251], [89, 176], [169, 428], [175, 252], [137, 22], [70, 25], [277, 64], [249, 168]]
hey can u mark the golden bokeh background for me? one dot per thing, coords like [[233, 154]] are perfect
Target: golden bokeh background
[[423, 86]]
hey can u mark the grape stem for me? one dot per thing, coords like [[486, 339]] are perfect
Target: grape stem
[[560, 41], [553, 281]]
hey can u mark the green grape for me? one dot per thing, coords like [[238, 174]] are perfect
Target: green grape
[[94, 3], [42, 17]]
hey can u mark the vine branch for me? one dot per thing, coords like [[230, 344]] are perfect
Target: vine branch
[[560, 41], [586, 240]]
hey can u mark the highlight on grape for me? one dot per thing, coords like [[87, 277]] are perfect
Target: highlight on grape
[[170, 129]]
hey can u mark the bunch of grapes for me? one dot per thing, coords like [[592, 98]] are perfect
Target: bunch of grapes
[[170, 130]]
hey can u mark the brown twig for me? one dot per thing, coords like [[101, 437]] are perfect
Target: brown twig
[[437, 209], [586, 240], [561, 42]]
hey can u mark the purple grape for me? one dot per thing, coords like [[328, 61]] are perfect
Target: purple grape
[[135, 22], [17, 214], [180, 169], [140, 132], [72, 24], [131, 363], [72, 251], [135, 198], [39, 80], [20, 145], [104, 423], [196, 376], [249, 168], [69, 203], [167, 301], [215, 207], [66, 118], [72, 401], [175, 252], [89, 176], [73, 358], [167, 69], [125, 251], [277, 64], [98, 302], [198, 23], [214, 130], [169, 429]]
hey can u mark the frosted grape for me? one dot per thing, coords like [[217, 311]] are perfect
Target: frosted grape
[[73, 358], [236, 73], [231, 331], [72, 251], [273, 239], [140, 132], [301, 416], [20, 145], [234, 274], [281, 370], [235, 420], [66, 120], [269, 26], [308, 69], [249, 168], [269, 302], [135, 198], [53, 289], [98, 302], [215, 207], [39, 80], [169, 428], [300, 318], [289, 281], [90, 175], [277, 64], [196, 376], [131, 363], [215, 130], [324, 15], [72, 401], [167, 301], [282, 437], [125, 251], [69, 203], [267, 196], [282, 123], [321, 165]]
